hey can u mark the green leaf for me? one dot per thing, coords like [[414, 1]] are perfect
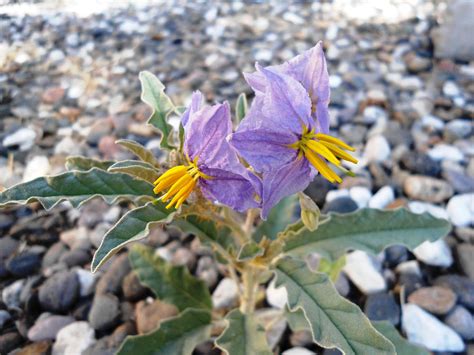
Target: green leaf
[[77, 187], [241, 107], [179, 335], [403, 346], [370, 230], [249, 251], [171, 284], [140, 151], [297, 320], [279, 217], [83, 163], [334, 321], [243, 336], [332, 268], [206, 230], [139, 169], [153, 94], [133, 226]]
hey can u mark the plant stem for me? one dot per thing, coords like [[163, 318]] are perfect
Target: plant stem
[[248, 300]]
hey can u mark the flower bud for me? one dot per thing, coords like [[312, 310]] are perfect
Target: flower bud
[[310, 212]]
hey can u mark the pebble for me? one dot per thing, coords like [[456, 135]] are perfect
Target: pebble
[[206, 270], [53, 254], [36, 167], [435, 253], [382, 198], [276, 297], [427, 189], [25, 263], [395, 255], [11, 293], [9, 342], [360, 195], [24, 138], [373, 114], [74, 339], [59, 292], [377, 149], [47, 328], [450, 89], [87, 282], [437, 300], [461, 183], [184, 256], [422, 207], [149, 315], [462, 321], [420, 163], [225, 295], [111, 281], [4, 317], [105, 312], [364, 272], [446, 152], [382, 306], [424, 329], [462, 287], [132, 288], [298, 351], [340, 205], [77, 238], [460, 210], [75, 257], [465, 253]]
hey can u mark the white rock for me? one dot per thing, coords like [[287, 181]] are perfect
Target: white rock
[[264, 55], [410, 83], [435, 253], [377, 149], [36, 167], [422, 207], [293, 18], [335, 81], [164, 253], [432, 122], [331, 32], [24, 138], [86, 281], [382, 198], [409, 267], [56, 55], [373, 114], [73, 339], [424, 329], [361, 195], [461, 210], [364, 271], [276, 297], [298, 350], [77, 238], [450, 89], [226, 294], [333, 194], [446, 152], [11, 294], [67, 146]]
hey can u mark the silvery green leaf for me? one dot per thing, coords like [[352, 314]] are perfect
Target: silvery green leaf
[[249, 251], [178, 335], [133, 226], [402, 345], [139, 151], [153, 94], [241, 107], [370, 230], [171, 284], [243, 336], [139, 169], [334, 321], [83, 163], [77, 187], [332, 268]]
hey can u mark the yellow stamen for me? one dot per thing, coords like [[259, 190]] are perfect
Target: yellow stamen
[[334, 140], [181, 181], [316, 146]]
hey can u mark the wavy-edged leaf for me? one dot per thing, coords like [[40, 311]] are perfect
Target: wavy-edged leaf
[[133, 226], [178, 335], [241, 107], [140, 151], [296, 320], [249, 251], [171, 284], [283, 214], [332, 268], [83, 163], [153, 94], [334, 321], [243, 336], [77, 187], [206, 230], [370, 230], [402, 346], [139, 169]]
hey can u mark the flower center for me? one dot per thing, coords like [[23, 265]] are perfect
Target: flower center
[[181, 181], [316, 146]]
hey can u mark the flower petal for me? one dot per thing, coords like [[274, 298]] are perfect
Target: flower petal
[[231, 189], [286, 104], [291, 178], [196, 103]]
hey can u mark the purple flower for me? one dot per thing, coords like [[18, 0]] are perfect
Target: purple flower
[[211, 163], [284, 135]]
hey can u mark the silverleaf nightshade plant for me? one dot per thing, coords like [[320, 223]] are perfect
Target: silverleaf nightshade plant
[[242, 195]]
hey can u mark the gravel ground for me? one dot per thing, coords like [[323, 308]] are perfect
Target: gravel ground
[[402, 93]]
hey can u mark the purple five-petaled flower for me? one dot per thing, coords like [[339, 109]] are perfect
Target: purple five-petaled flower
[[284, 136], [211, 163]]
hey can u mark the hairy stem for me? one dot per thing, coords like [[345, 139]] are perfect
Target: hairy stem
[[247, 304]]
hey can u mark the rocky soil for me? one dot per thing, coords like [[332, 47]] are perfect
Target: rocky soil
[[400, 93]]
